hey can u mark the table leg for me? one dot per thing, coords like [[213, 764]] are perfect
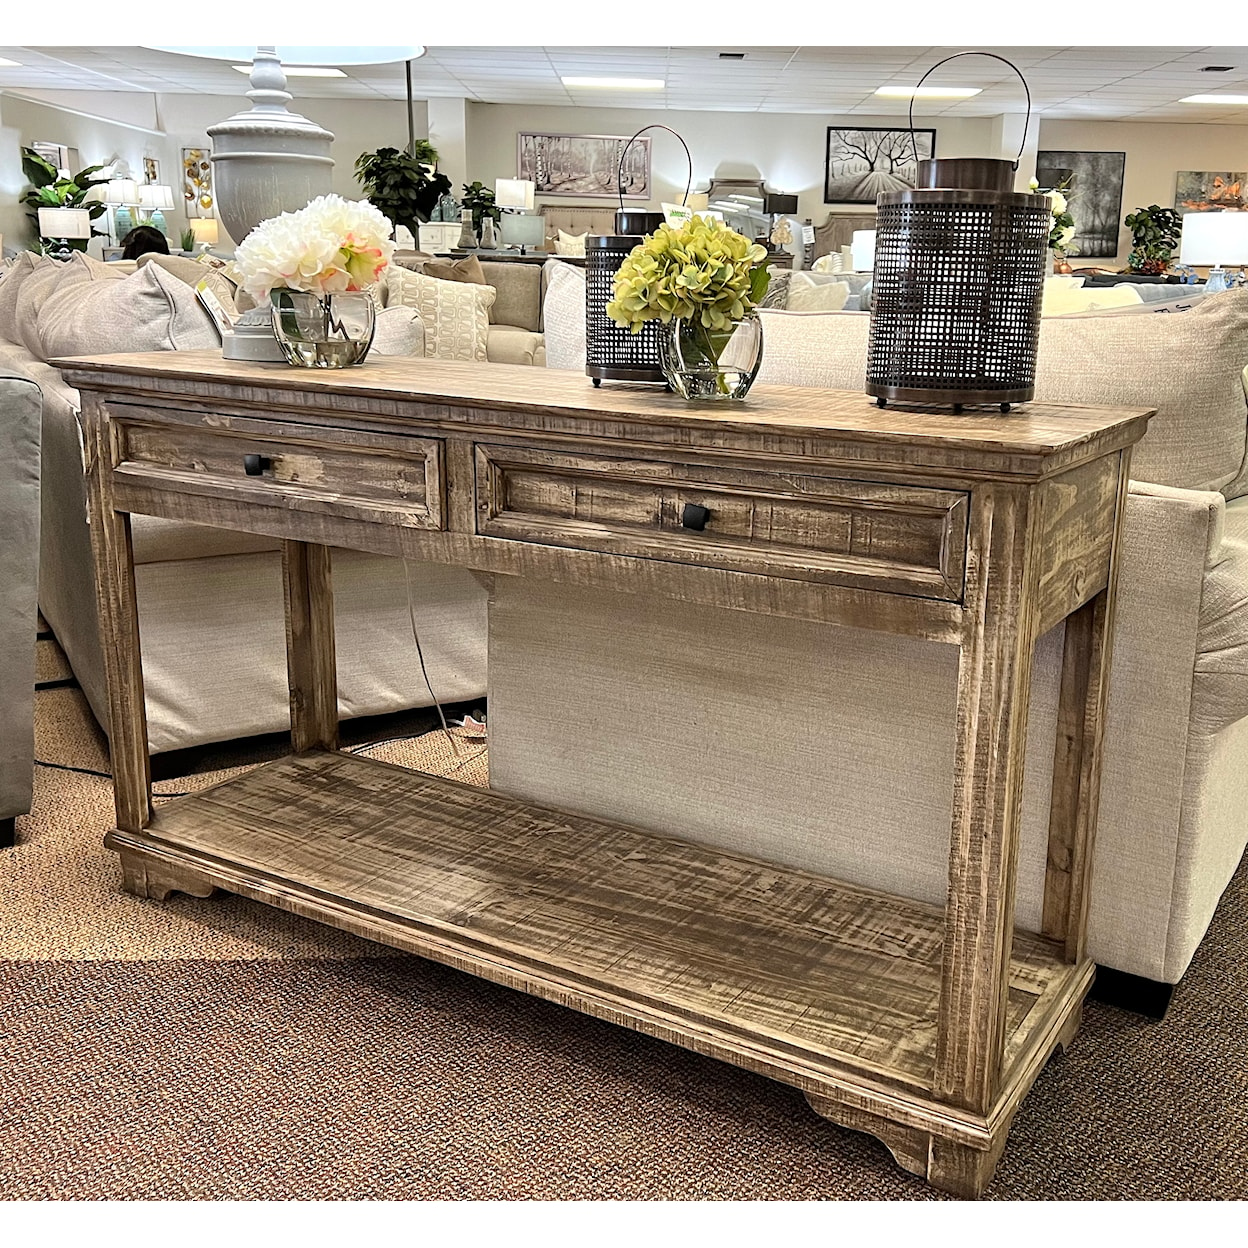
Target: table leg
[[310, 657], [994, 679], [117, 605]]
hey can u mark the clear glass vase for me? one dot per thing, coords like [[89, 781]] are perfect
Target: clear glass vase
[[704, 363], [323, 331]]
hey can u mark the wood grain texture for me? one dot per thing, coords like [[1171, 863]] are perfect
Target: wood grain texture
[[994, 677], [817, 972], [118, 614], [889, 538], [311, 661], [926, 1025], [1034, 440], [1077, 753]]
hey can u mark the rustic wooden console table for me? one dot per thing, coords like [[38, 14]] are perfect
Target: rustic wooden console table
[[923, 1025]]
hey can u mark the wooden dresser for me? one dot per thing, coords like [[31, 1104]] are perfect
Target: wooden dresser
[[923, 1025]]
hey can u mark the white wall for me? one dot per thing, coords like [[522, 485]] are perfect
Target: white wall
[[1156, 152], [175, 121], [786, 150]]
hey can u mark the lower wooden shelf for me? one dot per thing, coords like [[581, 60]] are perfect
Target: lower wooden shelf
[[821, 984]]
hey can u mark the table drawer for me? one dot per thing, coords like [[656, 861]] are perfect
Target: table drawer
[[363, 476], [892, 538]]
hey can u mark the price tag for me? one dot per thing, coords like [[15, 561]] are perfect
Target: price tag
[[676, 214], [808, 235]]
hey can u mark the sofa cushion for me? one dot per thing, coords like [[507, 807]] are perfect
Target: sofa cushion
[[563, 315], [151, 310], [49, 284], [816, 293], [814, 348], [192, 272], [509, 344], [1188, 366], [456, 315], [11, 278], [519, 297], [466, 270], [157, 540], [1063, 298]]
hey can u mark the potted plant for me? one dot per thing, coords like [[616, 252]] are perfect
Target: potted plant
[[50, 190], [480, 200], [703, 282], [404, 185], [1154, 235]]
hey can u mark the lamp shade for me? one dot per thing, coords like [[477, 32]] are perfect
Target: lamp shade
[[514, 193], [64, 223], [1216, 238], [523, 230], [862, 251], [206, 230], [778, 204], [154, 195], [121, 191]]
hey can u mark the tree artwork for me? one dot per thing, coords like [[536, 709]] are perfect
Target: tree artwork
[[865, 163]]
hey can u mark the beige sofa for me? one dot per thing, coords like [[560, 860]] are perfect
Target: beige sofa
[[210, 600], [852, 733]]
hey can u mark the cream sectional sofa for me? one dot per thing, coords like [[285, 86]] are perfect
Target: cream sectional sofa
[[210, 600], [853, 732]]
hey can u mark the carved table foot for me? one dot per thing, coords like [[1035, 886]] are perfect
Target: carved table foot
[[156, 881]]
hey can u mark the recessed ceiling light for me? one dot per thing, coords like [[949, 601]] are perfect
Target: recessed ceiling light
[[928, 93], [302, 71], [1214, 99], [4, 60], [624, 84]]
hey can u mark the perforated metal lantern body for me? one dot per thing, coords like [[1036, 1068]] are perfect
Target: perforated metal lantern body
[[612, 351], [958, 286]]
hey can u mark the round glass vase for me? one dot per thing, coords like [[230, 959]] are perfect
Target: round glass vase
[[323, 331], [704, 363]]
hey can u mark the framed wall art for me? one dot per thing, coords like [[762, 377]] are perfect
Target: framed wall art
[[1210, 192], [197, 181], [584, 166], [861, 164], [1094, 191]]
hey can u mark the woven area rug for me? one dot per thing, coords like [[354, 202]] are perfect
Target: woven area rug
[[223, 1050]]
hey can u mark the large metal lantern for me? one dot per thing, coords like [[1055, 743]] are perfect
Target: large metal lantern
[[612, 351], [958, 284]]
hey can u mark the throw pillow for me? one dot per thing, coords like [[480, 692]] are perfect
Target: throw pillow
[[1064, 299], [456, 315], [15, 273], [192, 272], [151, 310], [817, 292], [467, 270], [46, 283], [1188, 366], [570, 244], [563, 315], [399, 332]]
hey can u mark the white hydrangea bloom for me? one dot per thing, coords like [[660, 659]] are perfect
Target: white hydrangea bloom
[[333, 244]]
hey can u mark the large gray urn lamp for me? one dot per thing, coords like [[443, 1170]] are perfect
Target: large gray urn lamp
[[267, 160]]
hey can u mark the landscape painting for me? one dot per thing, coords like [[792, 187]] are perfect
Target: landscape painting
[[1211, 192], [584, 165], [1093, 189], [861, 164]]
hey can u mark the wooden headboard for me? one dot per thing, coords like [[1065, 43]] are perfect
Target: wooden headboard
[[838, 231]]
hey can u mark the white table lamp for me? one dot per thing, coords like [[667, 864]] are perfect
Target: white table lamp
[[207, 232], [158, 199], [121, 194], [64, 223], [1216, 239], [514, 193], [862, 249]]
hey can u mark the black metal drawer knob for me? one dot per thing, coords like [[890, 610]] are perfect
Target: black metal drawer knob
[[254, 465], [695, 516]]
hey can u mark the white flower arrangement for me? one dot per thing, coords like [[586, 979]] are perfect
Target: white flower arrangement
[[332, 245]]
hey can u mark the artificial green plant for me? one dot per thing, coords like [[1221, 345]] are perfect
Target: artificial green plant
[[401, 184], [1155, 233]]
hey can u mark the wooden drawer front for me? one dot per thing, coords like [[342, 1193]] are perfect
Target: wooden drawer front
[[893, 538], [360, 476]]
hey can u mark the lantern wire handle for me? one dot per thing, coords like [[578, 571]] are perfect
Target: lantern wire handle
[[619, 176], [1026, 90]]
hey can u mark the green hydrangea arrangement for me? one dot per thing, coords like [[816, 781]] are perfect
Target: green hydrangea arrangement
[[699, 271]]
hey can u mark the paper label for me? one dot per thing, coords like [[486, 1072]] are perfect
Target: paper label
[[808, 234], [215, 308], [676, 214]]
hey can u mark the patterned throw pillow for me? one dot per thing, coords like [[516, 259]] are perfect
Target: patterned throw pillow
[[570, 244], [456, 315], [563, 315]]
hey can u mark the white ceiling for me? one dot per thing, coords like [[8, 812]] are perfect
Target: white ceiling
[[1085, 83]]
